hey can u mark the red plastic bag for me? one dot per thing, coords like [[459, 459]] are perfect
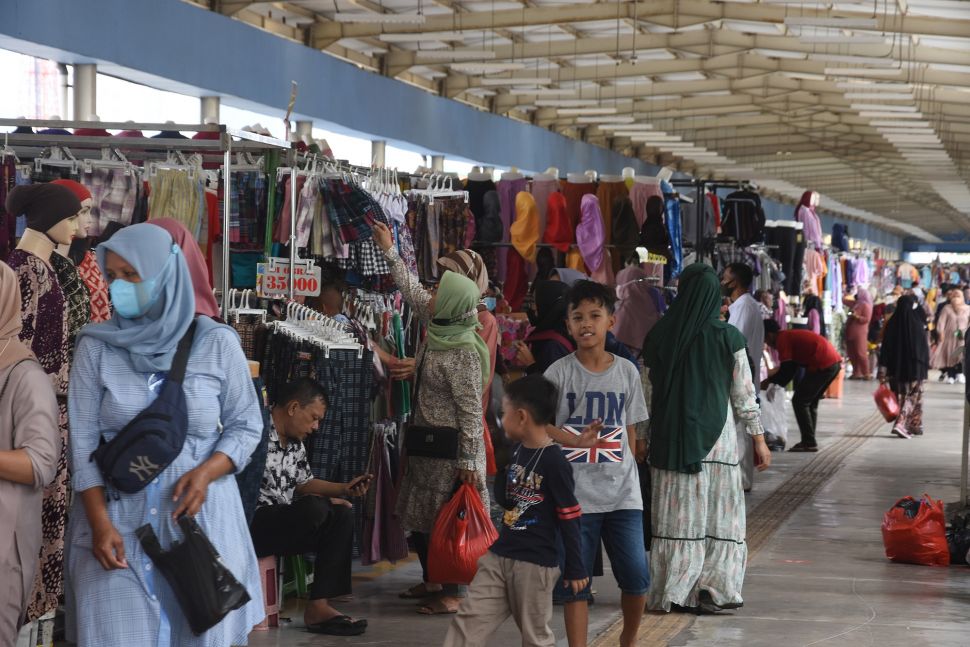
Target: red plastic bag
[[462, 533], [914, 532], [886, 402]]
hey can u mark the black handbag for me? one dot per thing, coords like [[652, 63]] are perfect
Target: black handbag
[[205, 589], [430, 442], [154, 438]]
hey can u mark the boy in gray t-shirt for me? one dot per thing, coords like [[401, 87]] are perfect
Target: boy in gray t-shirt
[[602, 391]]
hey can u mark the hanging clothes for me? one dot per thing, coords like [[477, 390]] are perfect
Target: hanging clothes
[[173, 194], [639, 195], [626, 231], [574, 193], [558, 232], [541, 190], [805, 214], [607, 193], [672, 205], [507, 192], [115, 193]]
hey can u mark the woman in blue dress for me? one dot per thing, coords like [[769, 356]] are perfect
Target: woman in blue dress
[[115, 597]]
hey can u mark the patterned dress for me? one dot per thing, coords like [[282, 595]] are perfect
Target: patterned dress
[[97, 287], [45, 332], [449, 395], [910, 397], [75, 295], [698, 519]]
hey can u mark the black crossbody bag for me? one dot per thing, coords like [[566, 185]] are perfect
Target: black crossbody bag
[[154, 438], [426, 441]]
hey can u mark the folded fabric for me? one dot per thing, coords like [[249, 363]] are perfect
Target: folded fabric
[[590, 236], [525, 230]]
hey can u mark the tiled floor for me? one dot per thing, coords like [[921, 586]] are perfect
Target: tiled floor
[[821, 580]]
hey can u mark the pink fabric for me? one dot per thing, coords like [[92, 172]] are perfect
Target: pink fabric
[[205, 301], [805, 214], [639, 195], [636, 310], [590, 235]]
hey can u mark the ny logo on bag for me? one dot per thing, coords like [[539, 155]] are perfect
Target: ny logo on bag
[[143, 468]]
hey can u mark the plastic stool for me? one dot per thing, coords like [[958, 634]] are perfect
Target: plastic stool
[[295, 568], [834, 391], [271, 599]]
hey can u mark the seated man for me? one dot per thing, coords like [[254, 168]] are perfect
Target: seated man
[[313, 522], [822, 363]]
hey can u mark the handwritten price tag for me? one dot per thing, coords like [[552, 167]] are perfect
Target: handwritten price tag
[[273, 279]]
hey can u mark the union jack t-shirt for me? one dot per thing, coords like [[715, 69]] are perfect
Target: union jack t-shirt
[[606, 475]]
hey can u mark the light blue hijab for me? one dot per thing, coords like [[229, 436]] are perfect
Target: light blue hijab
[[150, 340]]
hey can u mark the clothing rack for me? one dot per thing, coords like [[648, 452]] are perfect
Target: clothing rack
[[229, 141]]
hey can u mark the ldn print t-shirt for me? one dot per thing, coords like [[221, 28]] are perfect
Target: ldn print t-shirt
[[606, 476]]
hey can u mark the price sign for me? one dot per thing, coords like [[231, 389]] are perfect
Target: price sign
[[650, 257], [273, 278]]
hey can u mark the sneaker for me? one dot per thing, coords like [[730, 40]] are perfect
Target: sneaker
[[916, 432], [951, 380], [942, 377], [902, 434], [802, 447], [961, 379]]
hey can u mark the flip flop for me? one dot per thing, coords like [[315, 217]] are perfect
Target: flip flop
[[436, 608], [338, 626], [417, 592]]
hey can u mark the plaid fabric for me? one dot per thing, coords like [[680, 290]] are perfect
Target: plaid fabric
[[354, 213], [309, 209], [114, 196], [174, 195], [452, 220], [247, 326], [247, 208]]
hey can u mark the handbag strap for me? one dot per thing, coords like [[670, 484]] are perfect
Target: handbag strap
[[181, 360], [9, 373]]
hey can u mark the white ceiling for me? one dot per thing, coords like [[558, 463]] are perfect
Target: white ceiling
[[867, 102]]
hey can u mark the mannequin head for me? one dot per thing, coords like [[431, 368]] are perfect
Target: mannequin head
[[63, 232], [84, 222], [50, 209]]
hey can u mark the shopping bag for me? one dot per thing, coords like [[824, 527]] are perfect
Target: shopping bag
[[886, 402], [774, 414], [914, 532], [205, 589], [462, 533]]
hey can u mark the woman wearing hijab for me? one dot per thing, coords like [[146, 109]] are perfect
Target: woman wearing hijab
[[470, 264], [812, 310], [453, 366], [638, 309], [904, 361], [30, 446], [549, 340], [205, 300], [951, 329], [115, 596], [701, 386], [856, 335]]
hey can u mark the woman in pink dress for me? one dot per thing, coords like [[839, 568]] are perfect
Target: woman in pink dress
[[857, 335], [951, 328]]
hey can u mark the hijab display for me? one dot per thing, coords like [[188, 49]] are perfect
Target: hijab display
[[559, 230], [205, 300], [654, 235], [690, 354], [639, 307], [905, 350]]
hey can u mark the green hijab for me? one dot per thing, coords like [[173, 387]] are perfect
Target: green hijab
[[690, 354], [455, 319]]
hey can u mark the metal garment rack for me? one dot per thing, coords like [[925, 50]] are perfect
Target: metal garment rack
[[229, 140]]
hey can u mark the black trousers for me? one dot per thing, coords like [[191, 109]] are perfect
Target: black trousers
[[310, 524], [805, 400]]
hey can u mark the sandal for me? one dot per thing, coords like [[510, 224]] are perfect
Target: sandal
[[436, 608], [418, 592], [339, 626], [802, 447]]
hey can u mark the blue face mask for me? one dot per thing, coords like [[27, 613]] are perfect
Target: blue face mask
[[489, 303], [133, 300]]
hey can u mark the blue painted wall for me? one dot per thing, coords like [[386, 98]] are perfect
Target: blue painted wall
[[176, 46]]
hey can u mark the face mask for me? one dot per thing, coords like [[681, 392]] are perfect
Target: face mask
[[727, 289], [489, 303], [133, 300]]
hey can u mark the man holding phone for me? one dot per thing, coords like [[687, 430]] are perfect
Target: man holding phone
[[319, 520]]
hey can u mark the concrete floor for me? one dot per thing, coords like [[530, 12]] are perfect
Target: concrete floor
[[822, 579]]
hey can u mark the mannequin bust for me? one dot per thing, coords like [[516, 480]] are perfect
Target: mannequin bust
[[552, 173], [591, 174], [478, 174], [611, 178], [512, 174], [577, 178]]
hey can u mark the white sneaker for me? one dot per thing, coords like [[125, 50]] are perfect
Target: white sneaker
[[961, 379], [950, 380]]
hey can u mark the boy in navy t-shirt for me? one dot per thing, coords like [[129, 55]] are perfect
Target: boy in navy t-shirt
[[516, 577]]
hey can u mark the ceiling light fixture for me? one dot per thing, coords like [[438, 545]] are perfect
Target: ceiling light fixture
[[604, 120], [486, 68], [899, 124], [862, 71], [465, 54], [837, 23], [539, 92], [890, 115], [576, 112], [566, 103], [858, 60], [423, 37], [855, 39], [873, 86], [883, 108], [517, 81], [888, 96], [381, 18]]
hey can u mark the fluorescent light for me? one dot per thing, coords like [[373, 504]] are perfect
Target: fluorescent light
[[486, 68], [873, 86], [648, 138], [422, 37], [883, 108], [862, 71], [519, 81], [462, 54], [631, 128], [889, 96], [855, 39], [891, 115], [575, 112], [899, 124], [605, 120], [381, 18], [838, 23], [906, 131], [566, 103], [540, 92], [858, 60]]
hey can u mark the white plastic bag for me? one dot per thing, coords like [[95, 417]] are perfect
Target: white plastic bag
[[774, 412]]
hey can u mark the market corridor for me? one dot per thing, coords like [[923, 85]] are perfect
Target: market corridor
[[817, 576]]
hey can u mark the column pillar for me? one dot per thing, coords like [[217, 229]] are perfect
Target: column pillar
[[85, 91], [438, 163], [209, 109], [377, 151]]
